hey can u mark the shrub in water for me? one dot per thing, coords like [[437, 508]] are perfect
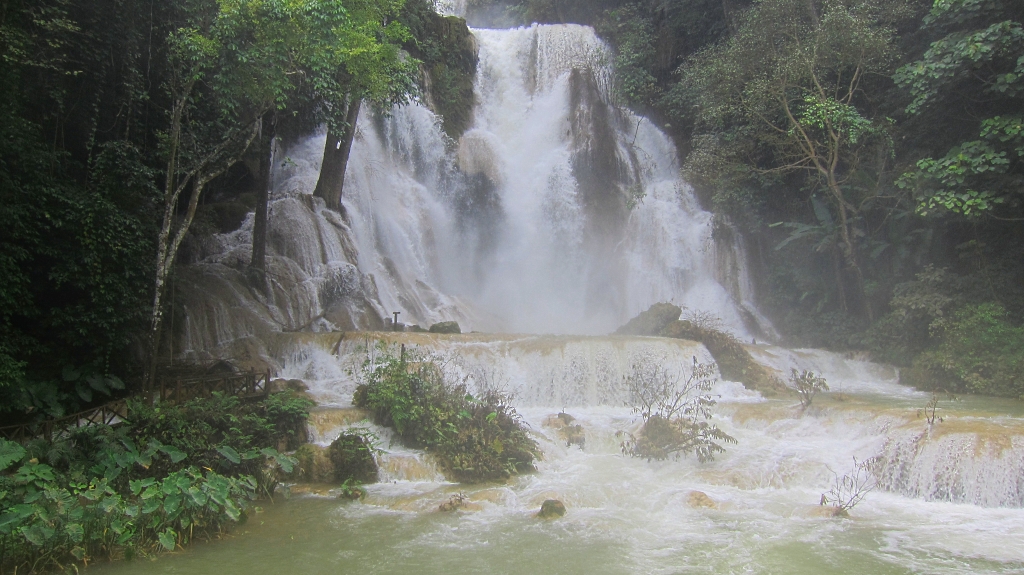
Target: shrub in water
[[675, 412], [474, 438]]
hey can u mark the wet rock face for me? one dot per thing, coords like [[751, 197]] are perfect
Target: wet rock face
[[551, 509]]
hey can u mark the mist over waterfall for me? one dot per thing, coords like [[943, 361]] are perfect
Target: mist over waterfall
[[556, 212]]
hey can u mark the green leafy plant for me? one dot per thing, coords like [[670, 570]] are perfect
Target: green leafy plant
[[474, 438], [807, 385], [49, 518]]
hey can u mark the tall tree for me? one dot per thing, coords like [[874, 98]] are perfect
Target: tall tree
[[786, 94], [973, 73], [347, 66]]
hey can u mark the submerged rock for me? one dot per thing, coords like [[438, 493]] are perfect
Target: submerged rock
[[454, 503], [551, 509], [446, 327], [698, 499], [571, 434]]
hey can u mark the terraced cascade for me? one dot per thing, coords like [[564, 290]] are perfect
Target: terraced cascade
[[948, 500], [559, 212]]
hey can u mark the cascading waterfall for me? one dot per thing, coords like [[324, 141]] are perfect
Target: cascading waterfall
[[556, 212]]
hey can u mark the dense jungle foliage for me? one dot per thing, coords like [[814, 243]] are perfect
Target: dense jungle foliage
[[872, 152], [125, 122], [166, 476]]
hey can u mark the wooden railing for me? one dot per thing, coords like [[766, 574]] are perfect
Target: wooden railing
[[108, 414], [245, 385]]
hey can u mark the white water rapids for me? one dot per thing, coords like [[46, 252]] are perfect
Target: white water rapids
[[525, 225]]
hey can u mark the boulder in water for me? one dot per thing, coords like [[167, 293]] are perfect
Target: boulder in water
[[734, 361], [652, 321], [551, 509], [352, 459], [314, 465], [698, 499], [446, 327]]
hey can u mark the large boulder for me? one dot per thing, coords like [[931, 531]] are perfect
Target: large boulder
[[314, 465], [652, 321], [734, 361], [551, 509], [446, 327], [352, 459]]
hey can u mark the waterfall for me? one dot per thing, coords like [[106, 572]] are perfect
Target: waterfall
[[556, 212]]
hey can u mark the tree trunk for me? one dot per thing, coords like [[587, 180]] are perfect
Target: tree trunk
[[336, 151], [849, 252], [171, 235], [258, 265]]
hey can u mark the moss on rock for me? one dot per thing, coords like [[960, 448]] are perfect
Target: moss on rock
[[352, 459], [653, 321], [446, 327]]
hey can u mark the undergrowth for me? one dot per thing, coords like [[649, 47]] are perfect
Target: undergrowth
[[167, 476], [474, 439]]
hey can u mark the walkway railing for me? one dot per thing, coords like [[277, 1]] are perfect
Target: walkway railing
[[108, 414], [245, 385]]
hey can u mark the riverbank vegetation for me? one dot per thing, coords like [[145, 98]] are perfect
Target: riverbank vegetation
[[474, 439], [163, 478]]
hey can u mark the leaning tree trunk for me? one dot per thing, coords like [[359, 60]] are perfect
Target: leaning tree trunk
[[258, 265], [336, 152]]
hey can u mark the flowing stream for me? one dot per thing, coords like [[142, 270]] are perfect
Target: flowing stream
[[558, 212], [949, 499]]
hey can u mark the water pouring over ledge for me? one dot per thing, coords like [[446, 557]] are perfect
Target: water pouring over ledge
[[556, 212], [523, 225]]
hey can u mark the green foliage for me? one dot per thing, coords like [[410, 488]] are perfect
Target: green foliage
[[635, 85], [474, 439], [675, 412], [448, 54], [224, 434], [352, 455], [807, 385], [50, 518], [148, 484], [979, 351], [980, 52]]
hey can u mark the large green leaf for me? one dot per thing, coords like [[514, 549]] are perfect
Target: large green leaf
[[10, 453], [174, 453], [168, 538], [229, 453]]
